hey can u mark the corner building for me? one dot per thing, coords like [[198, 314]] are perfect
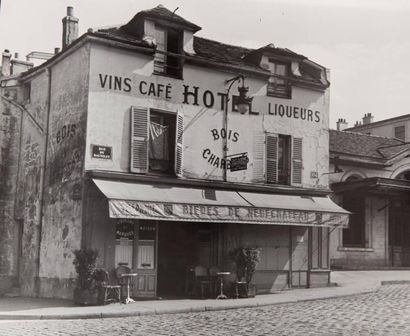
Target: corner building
[[152, 159]]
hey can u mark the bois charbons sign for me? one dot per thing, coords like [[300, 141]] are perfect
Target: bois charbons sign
[[197, 96]]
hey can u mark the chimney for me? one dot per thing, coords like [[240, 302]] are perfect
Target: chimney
[[357, 123], [18, 66], [341, 124], [6, 63], [367, 119], [70, 28]]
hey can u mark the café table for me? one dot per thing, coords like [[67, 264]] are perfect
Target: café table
[[221, 294], [128, 277]]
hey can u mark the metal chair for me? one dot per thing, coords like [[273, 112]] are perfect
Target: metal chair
[[202, 280], [108, 292], [120, 270]]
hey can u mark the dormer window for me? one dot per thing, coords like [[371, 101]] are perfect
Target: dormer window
[[169, 46], [279, 85]]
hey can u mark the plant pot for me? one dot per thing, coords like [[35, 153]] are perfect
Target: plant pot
[[86, 297], [251, 290]]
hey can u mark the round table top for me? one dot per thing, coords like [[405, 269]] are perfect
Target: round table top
[[124, 275], [223, 273]]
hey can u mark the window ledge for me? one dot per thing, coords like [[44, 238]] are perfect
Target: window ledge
[[355, 249]]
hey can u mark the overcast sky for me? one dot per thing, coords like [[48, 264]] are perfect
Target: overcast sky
[[364, 43]]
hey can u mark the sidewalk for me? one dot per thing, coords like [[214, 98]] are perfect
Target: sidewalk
[[348, 283]]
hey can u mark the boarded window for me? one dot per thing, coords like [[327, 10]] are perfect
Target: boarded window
[[297, 161], [139, 140], [166, 61], [272, 158]]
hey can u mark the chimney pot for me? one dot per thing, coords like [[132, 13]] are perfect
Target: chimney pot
[[367, 119], [70, 11], [56, 51], [16, 55]]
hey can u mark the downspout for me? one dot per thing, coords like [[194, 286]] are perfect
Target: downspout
[[43, 175]]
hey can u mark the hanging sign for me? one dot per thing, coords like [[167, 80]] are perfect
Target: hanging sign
[[125, 230], [238, 163]]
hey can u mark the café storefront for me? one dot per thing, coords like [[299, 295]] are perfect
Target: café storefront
[[163, 230]]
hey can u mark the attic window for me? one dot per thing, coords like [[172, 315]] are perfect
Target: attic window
[[166, 62], [279, 85]]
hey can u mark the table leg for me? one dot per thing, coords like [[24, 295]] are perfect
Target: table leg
[[222, 295]]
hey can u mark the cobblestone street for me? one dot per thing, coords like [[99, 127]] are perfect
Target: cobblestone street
[[384, 312]]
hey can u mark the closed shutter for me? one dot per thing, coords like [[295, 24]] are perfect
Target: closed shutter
[[258, 164], [297, 165], [271, 158], [179, 145], [139, 140]]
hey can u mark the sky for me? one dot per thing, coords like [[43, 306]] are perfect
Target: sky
[[364, 43]]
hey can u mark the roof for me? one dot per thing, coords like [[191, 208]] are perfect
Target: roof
[[373, 185], [379, 123], [363, 144], [164, 14], [206, 51]]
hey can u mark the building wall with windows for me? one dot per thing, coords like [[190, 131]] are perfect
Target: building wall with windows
[[151, 112], [370, 179]]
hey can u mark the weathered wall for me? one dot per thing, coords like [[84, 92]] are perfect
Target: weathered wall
[[62, 210], [10, 121], [373, 256], [129, 82], [28, 198]]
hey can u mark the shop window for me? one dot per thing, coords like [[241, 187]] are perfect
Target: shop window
[[355, 235], [320, 248], [156, 142], [166, 62], [400, 132], [279, 84], [283, 159]]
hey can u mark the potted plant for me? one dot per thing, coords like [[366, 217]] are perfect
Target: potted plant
[[246, 259], [85, 292]]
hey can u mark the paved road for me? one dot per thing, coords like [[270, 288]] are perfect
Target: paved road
[[385, 312]]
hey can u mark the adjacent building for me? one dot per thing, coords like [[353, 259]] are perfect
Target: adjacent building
[[165, 150], [371, 178]]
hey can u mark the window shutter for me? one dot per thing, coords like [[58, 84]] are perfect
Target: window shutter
[[139, 140], [271, 158], [297, 161], [179, 145], [258, 164]]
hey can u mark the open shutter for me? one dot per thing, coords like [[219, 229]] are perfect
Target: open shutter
[[179, 145], [139, 140], [271, 158], [258, 164], [297, 161]]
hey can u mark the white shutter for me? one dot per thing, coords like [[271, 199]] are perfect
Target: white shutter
[[179, 134], [271, 158], [139, 140], [297, 165], [258, 164]]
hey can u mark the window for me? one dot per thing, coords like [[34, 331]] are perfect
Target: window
[[156, 141], [168, 44], [355, 235], [400, 132], [278, 85], [320, 248], [283, 159]]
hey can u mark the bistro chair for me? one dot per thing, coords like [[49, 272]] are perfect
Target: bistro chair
[[119, 271], [213, 270], [202, 280], [108, 292]]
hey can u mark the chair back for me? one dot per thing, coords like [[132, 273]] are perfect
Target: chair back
[[201, 271], [120, 270], [213, 270], [101, 277]]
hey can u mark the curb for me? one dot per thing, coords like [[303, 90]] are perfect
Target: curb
[[197, 309]]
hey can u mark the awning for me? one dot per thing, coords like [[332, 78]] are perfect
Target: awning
[[165, 202]]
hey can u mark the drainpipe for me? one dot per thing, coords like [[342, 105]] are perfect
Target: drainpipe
[[43, 178]]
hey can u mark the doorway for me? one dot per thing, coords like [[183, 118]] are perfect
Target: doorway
[[399, 235], [181, 246]]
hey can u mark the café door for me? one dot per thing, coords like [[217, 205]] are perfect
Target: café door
[[145, 263]]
